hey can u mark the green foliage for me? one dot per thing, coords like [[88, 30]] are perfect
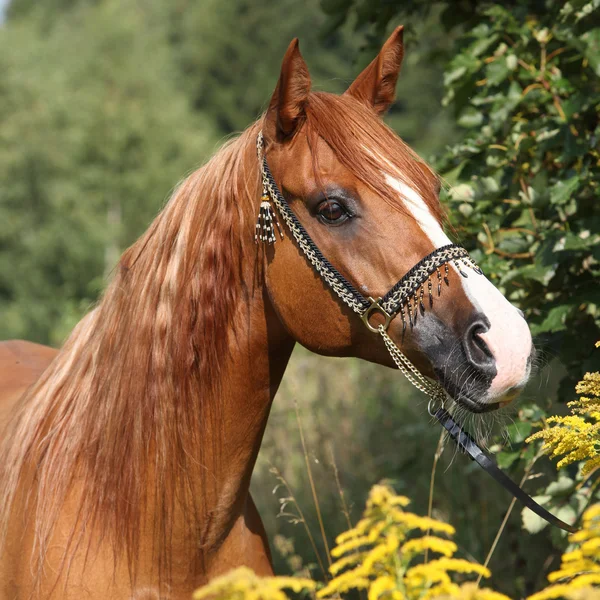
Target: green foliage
[[85, 159], [523, 81], [525, 86]]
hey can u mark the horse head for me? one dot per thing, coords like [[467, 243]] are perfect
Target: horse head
[[371, 206]]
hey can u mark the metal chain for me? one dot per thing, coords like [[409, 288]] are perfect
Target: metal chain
[[434, 390]]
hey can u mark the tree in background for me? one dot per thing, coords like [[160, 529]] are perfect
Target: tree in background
[[86, 159]]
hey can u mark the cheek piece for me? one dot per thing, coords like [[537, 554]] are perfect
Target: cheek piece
[[407, 298]]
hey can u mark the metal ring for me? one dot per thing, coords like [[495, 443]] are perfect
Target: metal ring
[[375, 306], [430, 405]]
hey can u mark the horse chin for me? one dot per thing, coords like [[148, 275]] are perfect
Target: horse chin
[[477, 406]]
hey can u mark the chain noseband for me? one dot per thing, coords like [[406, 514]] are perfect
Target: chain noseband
[[407, 299]]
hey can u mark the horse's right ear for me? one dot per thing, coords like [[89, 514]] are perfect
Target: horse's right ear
[[286, 108], [376, 85]]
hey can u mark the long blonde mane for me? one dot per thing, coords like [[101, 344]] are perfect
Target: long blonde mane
[[129, 393]]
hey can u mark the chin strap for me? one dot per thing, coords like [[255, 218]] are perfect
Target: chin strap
[[467, 445]]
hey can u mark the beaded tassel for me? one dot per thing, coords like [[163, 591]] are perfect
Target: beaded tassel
[[403, 322], [265, 231], [458, 263], [475, 267], [416, 309], [429, 286], [421, 305]]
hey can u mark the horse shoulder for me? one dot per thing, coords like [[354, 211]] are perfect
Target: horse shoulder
[[21, 364]]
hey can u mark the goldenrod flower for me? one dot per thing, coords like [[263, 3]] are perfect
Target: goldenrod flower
[[428, 542], [243, 584], [576, 437], [382, 554], [579, 571]]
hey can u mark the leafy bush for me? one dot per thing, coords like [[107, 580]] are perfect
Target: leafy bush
[[525, 86]]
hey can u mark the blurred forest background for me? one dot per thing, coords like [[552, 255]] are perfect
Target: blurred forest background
[[106, 104]]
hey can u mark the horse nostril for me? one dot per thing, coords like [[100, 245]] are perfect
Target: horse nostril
[[477, 351]]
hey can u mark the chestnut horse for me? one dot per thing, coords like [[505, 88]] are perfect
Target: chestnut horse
[[126, 456]]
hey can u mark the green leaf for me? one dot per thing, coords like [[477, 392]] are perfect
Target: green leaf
[[560, 486], [591, 40], [581, 241], [567, 514], [560, 192], [536, 272], [531, 522], [498, 71], [518, 431], [554, 321], [506, 459], [470, 118]]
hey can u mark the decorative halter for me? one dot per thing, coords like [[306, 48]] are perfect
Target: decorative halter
[[407, 298]]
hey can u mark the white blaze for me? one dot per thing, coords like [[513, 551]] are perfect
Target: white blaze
[[508, 337]]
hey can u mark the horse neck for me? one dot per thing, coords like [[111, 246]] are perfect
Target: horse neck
[[259, 352]]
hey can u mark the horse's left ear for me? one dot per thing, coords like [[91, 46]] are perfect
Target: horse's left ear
[[286, 108], [376, 85]]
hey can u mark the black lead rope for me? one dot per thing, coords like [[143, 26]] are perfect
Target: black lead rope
[[467, 445]]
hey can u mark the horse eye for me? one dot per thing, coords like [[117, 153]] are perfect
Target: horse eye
[[331, 212]]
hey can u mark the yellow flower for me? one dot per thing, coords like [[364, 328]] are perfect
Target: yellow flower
[[470, 591], [381, 585], [428, 542], [351, 544], [579, 571], [458, 565], [243, 584], [383, 552], [575, 436]]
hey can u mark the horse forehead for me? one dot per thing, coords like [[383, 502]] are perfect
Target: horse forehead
[[419, 210], [304, 170]]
